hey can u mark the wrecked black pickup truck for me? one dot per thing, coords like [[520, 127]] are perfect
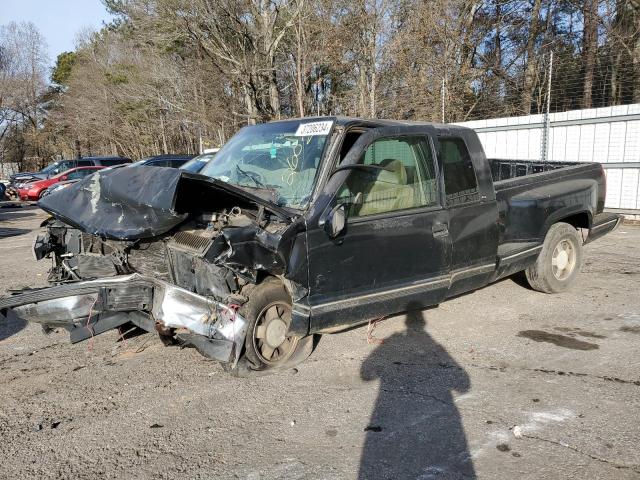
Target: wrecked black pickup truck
[[304, 227]]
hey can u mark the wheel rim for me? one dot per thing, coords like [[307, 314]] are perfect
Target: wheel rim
[[269, 334], [563, 260]]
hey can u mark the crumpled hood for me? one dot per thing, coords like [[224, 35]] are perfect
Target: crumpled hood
[[140, 202]]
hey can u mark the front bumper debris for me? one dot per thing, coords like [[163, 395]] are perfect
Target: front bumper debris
[[91, 307]]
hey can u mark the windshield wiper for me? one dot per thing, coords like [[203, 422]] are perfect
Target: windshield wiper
[[258, 183]]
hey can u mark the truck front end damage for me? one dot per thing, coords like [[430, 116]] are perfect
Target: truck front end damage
[[88, 308], [161, 249]]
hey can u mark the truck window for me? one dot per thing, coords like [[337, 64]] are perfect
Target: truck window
[[66, 165], [350, 139], [86, 172], [407, 182], [460, 181], [110, 162], [76, 174]]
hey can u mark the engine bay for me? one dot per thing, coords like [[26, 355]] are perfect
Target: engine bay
[[213, 254]]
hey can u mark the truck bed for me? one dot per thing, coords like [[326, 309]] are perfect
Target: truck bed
[[503, 169], [531, 195]]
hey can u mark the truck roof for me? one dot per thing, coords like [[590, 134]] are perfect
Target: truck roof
[[376, 122]]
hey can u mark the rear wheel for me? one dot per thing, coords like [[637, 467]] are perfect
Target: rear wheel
[[559, 261], [267, 346]]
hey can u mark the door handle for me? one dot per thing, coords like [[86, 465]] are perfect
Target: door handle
[[440, 230]]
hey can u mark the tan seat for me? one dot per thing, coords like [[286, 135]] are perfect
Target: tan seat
[[388, 192]]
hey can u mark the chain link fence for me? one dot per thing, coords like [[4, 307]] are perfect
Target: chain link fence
[[561, 128]]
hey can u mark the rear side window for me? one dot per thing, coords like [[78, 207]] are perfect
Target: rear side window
[[157, 163], [86, 172], [76, 174], [85, 163], [66, 165], [112, 162], [460, 181]]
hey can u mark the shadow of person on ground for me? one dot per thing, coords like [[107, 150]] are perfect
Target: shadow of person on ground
[[10, 326], [12, 232], [415, 430], [12, 215]]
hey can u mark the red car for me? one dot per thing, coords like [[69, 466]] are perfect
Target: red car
[[33, 190]]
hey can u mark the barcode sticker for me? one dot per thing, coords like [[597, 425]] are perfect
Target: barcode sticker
[[314, 128]]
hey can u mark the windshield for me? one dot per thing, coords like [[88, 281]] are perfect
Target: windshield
[[196, 164], [280, 158], [50, 168]]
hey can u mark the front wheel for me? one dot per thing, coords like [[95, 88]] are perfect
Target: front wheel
[[267, 346], [559, 261]]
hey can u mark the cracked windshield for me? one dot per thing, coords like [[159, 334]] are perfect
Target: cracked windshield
[[279, 161]]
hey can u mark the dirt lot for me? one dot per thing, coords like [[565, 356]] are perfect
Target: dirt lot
[[501, 383]]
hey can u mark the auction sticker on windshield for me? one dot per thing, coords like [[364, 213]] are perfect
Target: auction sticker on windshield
[[314, 128]]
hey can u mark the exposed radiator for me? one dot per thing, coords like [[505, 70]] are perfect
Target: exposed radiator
[[190, 242]]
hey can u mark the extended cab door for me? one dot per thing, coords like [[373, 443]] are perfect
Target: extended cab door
[[473, 213], [393, 254]]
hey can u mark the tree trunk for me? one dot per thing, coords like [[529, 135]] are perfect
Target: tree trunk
[[274, 94], [589, 49], [165, 149], [615, 80], [636, 57], [532, 63], [299, 68], [372, 85], [362, 88], [250, 103]]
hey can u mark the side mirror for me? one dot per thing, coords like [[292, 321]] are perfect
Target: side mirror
[[63, 178], [336, 221]]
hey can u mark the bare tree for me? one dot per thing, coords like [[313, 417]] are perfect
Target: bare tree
[[23, 63], [172, 75], [589, 48]]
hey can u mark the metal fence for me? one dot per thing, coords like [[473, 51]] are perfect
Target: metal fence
[[609, 135]]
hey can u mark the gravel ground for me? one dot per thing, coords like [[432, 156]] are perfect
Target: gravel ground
[[501, 383]]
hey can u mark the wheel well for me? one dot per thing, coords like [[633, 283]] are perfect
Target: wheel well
[[263, 276], [579, 220]]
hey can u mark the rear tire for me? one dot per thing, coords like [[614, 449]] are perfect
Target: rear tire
[[559, 262], [267, 348]]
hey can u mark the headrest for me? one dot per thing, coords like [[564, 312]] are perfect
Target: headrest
[[394, 173]]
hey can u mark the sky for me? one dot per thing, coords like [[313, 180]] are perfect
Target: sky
[[57, 20]]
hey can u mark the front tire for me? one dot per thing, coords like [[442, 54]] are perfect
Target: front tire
[[267, 347], [559, 262]]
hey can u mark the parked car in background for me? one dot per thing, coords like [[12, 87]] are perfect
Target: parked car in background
[[184, 162], [198, 163], [34, 190], [17, 181], [51, 169], [59, 186], [172, 161], [102, 161], [3, 189]]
